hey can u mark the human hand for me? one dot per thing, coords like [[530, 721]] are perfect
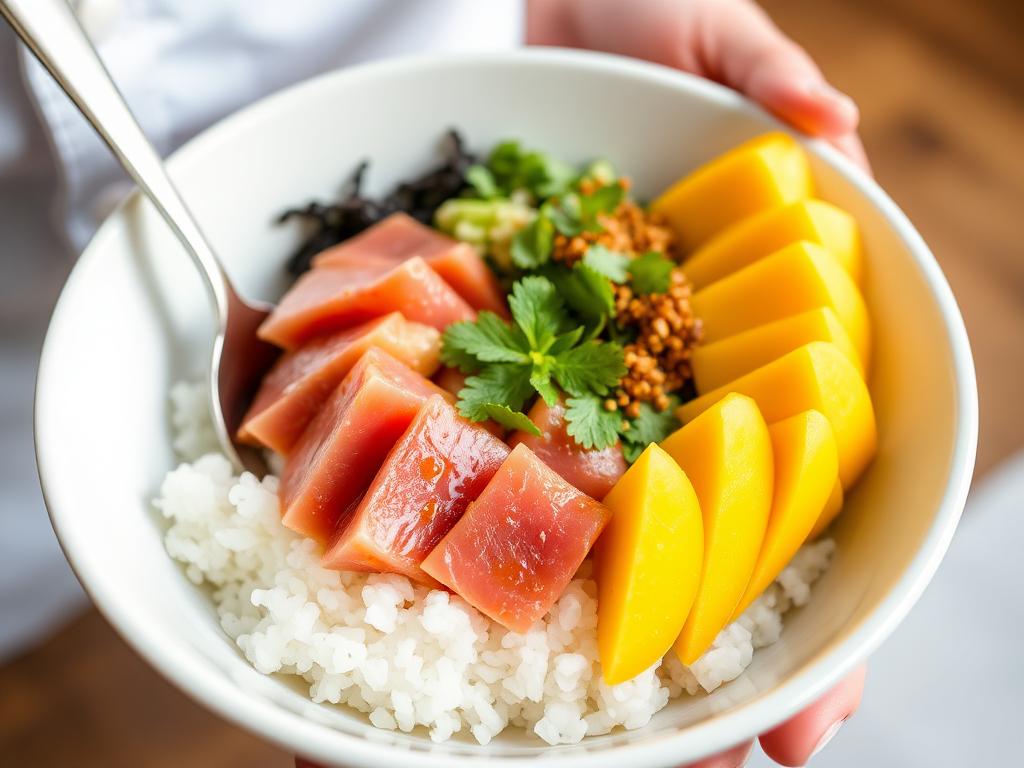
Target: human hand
[[733, 42], [797, 740]]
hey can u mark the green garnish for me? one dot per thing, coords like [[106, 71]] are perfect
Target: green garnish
[[649, 427], [564, 340], [590, 424], [611, 264], [510, 168], [569, 215], [502, 384], [587, 292], [539, 349], [651, 272], [532, 245]]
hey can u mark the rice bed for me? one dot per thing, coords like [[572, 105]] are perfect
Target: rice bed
[[410, 656]]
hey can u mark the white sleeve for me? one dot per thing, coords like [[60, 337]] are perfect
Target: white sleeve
[[183, 64]]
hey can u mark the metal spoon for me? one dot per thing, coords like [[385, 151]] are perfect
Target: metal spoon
[[52, 32]]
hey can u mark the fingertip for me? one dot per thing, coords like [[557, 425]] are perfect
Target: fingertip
[[733, 758], [812, 105], [798, 739]]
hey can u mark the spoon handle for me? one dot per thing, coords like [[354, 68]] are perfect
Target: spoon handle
[[52, 32]]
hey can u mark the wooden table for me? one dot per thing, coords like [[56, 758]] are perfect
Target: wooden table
[[941, 88]]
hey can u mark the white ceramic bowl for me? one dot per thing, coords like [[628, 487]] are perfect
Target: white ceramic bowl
[[133, 319]]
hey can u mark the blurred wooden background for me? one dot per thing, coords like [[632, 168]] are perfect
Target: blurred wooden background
[[941, 88]]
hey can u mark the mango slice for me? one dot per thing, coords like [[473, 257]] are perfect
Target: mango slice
[[748, 240], [806, 469], [819, 377], [722, 361], [648, 565], [765, 172], [833, 507], [799, 277], [727, 454]]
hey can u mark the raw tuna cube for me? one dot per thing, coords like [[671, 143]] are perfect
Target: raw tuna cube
[[330, 298], [335, 459], [399, 237], [518, 545], [593, 472], [465, 271], [301, 381], [434, 471], [451, 379]]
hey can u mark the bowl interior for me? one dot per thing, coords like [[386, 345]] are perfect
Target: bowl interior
[[133, 320]]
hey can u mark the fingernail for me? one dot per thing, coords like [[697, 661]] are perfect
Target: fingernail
[[822, 91], [828, 736]]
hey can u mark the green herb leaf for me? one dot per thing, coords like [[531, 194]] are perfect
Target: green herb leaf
[[538, 311], [651, 272], [602, 200], [541, 175], [482, 180], [631, 451], [565, 215], [651, 426], [487, 340], [590, 424], [566, 340], [509, 418], [532, 245], [592, 367], [589, 292], [540, 380], [611, 264], [501, 383], [600, 170], [453, 354]]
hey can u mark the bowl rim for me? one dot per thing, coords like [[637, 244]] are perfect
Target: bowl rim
[[316, 741]]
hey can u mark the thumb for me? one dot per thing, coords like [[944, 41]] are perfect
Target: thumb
[[742, 47]]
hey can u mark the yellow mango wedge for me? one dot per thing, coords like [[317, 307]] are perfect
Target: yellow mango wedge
[[727, 454], [648, 565], [819, 377], [752, 238], [833, 507], [806, 469], [800, 277], [722, 361], [762, 173]]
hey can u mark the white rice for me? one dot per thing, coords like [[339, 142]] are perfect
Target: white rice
[[409, 656]]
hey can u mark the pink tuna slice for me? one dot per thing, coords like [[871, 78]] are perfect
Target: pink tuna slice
[[433, 472], [331, 298], [301, 381], [399, 237], [593, 472], [518, 545], [338, 454]]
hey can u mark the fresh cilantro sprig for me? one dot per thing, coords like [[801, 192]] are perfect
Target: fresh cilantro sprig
[[651, 272], [569, 214], [542, 351], [510, 168], [649, 427]]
